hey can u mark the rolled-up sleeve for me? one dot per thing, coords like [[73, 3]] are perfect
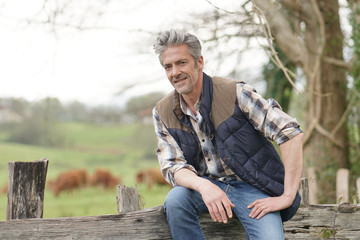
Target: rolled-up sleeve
[[170, 156], [266, 115]]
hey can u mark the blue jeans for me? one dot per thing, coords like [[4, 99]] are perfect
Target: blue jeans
[[183, 206]]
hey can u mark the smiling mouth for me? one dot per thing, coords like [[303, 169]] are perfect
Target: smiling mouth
[[179, 79]]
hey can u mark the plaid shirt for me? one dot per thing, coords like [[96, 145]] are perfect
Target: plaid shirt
[[265, 115]]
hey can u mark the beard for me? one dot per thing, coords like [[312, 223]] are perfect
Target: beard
[[183, 83]]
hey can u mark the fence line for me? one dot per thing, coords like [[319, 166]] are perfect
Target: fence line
[[310, 222]]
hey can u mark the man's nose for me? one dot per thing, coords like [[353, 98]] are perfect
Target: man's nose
[[176, 71]]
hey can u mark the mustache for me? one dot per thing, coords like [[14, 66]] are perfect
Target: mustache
[[183, 75]]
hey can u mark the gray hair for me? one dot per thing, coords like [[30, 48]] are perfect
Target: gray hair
[[174, 37]]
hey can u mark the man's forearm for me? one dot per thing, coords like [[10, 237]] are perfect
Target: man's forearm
[[187, 178], [292, 156]]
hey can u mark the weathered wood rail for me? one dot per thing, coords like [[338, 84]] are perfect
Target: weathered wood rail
[[310, 222]]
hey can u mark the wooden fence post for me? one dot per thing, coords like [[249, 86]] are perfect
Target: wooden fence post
[[313, 191], [26, 187], [127, 199], [304, 191], [342, 185]]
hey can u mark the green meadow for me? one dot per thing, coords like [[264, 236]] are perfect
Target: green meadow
[[123, 149]]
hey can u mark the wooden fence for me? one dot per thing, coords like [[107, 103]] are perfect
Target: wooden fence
[[310, 222]]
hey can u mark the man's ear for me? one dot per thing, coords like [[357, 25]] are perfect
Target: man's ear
[[200, 62]]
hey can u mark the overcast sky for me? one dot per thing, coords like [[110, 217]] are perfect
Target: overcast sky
[[90, 66]]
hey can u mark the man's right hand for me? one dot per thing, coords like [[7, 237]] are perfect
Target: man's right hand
[[217, 202], [215, 199]]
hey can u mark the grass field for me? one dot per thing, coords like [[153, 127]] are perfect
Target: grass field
[[122, 149]]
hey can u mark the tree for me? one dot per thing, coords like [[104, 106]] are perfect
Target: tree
[[40, 127], [141, 106], [309, 33], [277, 86], [354, 103]]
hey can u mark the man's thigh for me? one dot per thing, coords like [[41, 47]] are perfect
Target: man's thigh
[[268, 227]]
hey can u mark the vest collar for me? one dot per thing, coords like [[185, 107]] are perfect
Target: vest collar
[[206, 102]]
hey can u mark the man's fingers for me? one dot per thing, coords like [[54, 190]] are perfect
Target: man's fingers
[[214, 213], [222, 214], [229, 210], [262, 213], [255, 203], [219, 213], [211, 212], [255, 212]]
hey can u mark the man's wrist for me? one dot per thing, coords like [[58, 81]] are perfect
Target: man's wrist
[[200, 184], [289, 196]]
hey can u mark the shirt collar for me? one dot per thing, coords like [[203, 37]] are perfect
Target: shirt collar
[[185, 109]]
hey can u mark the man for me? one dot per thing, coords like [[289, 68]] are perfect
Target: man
[[213, 148]]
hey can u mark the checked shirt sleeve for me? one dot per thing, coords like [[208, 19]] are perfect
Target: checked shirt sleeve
[[266, 115], [170, 156]]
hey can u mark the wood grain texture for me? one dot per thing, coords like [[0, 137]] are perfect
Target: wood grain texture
[[26, 187]]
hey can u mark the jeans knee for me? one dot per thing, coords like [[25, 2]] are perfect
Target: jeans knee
[[181, 200], [182, 209], [176, 198]]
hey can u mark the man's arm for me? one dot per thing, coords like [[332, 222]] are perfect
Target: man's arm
[[177, 172], [169, 154], [218, 204], [292, 156]]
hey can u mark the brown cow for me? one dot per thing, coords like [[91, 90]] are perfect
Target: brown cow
[[151, 176], [104, 178], [4, 189], [68, 181]]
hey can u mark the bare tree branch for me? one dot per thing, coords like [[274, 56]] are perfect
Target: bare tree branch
[[285, 38], [269, 38], [340, 63]]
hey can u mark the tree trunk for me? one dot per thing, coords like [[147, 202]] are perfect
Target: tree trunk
[[308, 32], [326, 149]]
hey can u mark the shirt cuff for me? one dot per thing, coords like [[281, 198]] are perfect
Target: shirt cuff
[[287, 133], [174, 169]]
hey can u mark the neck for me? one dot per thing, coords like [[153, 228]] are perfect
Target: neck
[[190, 103], [192, 97], [190, 100]]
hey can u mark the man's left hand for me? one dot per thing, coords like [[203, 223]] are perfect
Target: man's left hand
[[263, 206]]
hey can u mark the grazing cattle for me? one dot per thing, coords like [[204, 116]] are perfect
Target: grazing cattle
[[4, 189], [150, 177], [68, 181], [104, 178]]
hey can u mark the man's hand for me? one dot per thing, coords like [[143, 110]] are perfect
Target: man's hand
[[291, 152], [263, 206], [218, 204]]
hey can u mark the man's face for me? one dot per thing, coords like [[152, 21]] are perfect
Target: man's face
[[181, 69]]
